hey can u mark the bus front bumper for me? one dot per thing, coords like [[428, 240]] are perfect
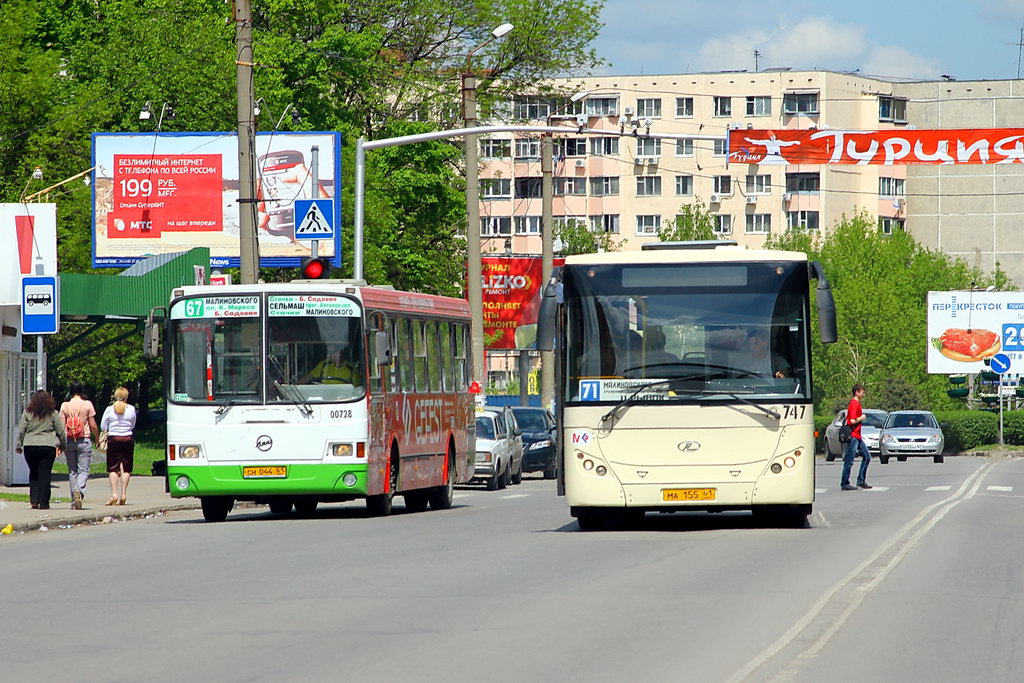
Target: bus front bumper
[[248, 481]]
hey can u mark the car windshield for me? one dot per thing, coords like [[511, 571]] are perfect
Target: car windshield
[[903, 420], [874, 419], [530, 420], [484, 428]]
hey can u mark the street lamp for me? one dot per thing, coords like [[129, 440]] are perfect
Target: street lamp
[[474, 289]]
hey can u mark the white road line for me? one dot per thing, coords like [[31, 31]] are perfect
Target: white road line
[[1004, 489], [938, 488], [820, 490], [878, 488], [516, 495]]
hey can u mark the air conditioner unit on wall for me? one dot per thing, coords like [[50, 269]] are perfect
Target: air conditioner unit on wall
[[580, 163], [716, 198], [640, 160], [628, 111], [751, 199]]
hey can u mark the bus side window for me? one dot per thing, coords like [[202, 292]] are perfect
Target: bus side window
[[433, 356], [419, 350], [445, 337], [374, 321], [394, 369], [460, 356], [405, 350]]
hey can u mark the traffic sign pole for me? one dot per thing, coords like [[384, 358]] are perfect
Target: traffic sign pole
[[1000, 364]]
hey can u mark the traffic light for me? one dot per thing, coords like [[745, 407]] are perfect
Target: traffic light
[[315, 268]]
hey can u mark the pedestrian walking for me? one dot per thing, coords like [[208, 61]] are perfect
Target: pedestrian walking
[[119, 422], [854, 418], [80, 426], [41, 437]]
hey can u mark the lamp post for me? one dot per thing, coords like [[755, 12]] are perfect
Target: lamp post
[[474, 289]]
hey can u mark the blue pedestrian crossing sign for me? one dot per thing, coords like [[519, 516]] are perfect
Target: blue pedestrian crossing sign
[[1000, 363], [314, 219], [40, 304]]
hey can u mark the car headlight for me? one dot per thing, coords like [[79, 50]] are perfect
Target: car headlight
[[540, 444], [889, 438], [483, 456], [935, 438]]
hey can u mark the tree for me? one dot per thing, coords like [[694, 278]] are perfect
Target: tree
[[577, 238], [693, 222]]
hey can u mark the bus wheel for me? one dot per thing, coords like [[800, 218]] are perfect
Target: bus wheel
[[442, 497], [216, 508], [380, 504], [590, 519], [416, 501], [280, 506], [305, 507], [782, 516]]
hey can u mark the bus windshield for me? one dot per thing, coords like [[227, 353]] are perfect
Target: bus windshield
[[715, 330]]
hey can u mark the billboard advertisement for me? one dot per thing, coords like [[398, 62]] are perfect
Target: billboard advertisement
[[511, 290], [878, 147], [32, 231], [967, 329], [170, 192]]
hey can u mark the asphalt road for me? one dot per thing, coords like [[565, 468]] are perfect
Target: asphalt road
[[918, 578]]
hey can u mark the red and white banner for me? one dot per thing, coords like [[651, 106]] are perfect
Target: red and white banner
[[511, 286], [877, 147], [29, 235]]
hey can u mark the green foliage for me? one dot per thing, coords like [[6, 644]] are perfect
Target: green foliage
[[967, 429], [896, 394], [693, 222], [577, 238]]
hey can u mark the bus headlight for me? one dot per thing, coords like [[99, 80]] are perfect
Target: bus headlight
[[588, 465], [349, 479], [190, 451], [341, 450], [601, 470], [776, 468], [789, 461], [181, 483]]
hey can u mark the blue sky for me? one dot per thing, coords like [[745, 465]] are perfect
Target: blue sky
[[916, 39]]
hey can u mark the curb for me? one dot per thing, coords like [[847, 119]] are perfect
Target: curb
[[97, 518]]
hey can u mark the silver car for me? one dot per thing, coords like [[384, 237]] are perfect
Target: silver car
[[870, 430], [911, 433]]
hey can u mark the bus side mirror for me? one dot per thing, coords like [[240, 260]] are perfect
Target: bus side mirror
[[382, 348], [546, 316], [825, 303], [151, 336]]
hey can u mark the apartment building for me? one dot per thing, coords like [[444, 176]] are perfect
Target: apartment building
[[629, 186]]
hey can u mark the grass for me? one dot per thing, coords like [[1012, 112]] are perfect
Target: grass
[[150, 446]]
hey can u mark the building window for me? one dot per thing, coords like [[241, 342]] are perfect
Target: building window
[[532, 108], [888, 225], [602, 106], [648, 224], [759, 223], [648, 186], [604, 146], [720, 146], [560, 223], [808, 183], [491, 226], [570, 147], [759, 184], [527, 225], [649, 107], [684, 185], [495, 188], [607, 222], [527, 148], [604, 186], [723, 184], [893, 109], [807, 220], [495, 149], [723, 224], [684, 107], [891, 187], [528, 187], [648, 147], [684, 148], [759, 106], [723, 106], [570, 186], [800, 103]]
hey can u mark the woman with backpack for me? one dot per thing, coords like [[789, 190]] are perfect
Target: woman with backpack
[[119, 423], [79, 423], [41, 437]]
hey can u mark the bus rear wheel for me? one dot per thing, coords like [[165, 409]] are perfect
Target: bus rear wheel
[[415, 501], [216, 508]]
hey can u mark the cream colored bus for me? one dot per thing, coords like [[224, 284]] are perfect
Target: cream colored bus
[[683, 380]]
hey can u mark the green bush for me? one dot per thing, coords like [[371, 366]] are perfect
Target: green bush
[[1013, 427], [967, 429]]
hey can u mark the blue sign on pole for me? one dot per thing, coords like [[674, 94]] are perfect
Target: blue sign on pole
[[40, 304], [1000, 363], [314, 219]]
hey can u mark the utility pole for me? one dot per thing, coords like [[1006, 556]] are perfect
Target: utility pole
[[547, 365], [474, 269], [249, 251]]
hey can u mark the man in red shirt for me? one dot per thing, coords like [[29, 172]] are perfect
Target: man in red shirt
[[854, 418]]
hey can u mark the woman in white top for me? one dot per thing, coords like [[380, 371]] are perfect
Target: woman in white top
[[119, 422]]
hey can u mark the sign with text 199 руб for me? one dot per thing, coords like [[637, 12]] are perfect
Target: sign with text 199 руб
[[40, 304]]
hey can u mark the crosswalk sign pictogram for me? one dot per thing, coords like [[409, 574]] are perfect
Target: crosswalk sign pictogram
[[314, 219]]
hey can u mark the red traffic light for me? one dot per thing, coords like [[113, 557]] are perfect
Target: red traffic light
[[314, 268]]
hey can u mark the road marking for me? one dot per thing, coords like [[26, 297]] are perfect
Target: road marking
[[820, 490], [1004, 489], [516, 495], [938, 488], [835, 607], [878, 488]]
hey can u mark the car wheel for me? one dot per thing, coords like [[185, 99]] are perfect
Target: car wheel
[[884, 459], [493, 481], [901, 458], [829, 455], [517, 478], [939, 458], [550, 472], [505, 477]]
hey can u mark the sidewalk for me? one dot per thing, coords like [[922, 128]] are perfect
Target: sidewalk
[[146, 496]]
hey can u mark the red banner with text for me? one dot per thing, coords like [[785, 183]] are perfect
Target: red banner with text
[[511, 289], [877, 147]]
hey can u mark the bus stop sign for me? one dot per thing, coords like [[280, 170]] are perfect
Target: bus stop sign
[[40, 304]]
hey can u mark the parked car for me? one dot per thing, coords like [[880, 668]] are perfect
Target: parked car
[[496, 452], [538, 426], [870, 431], [911, 433], [518, 448]]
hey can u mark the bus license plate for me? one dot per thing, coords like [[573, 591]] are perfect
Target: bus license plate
[[676, 495], [265, 472]]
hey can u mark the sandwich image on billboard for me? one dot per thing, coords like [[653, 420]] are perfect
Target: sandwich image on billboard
[[966, 329], [166, 193]]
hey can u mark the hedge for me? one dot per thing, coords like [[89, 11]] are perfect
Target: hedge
[[963, 429]]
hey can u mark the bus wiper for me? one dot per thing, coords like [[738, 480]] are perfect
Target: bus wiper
[[629, 399], [767, 411], [292, 393], [234, 394]]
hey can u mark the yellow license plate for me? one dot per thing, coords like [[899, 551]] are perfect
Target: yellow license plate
[[265, 472], [678, 495]]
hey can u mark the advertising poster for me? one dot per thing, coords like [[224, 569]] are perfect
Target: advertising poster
[[166, 193], [877, 147], [511, 290], [966, 329], [31, 229]]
